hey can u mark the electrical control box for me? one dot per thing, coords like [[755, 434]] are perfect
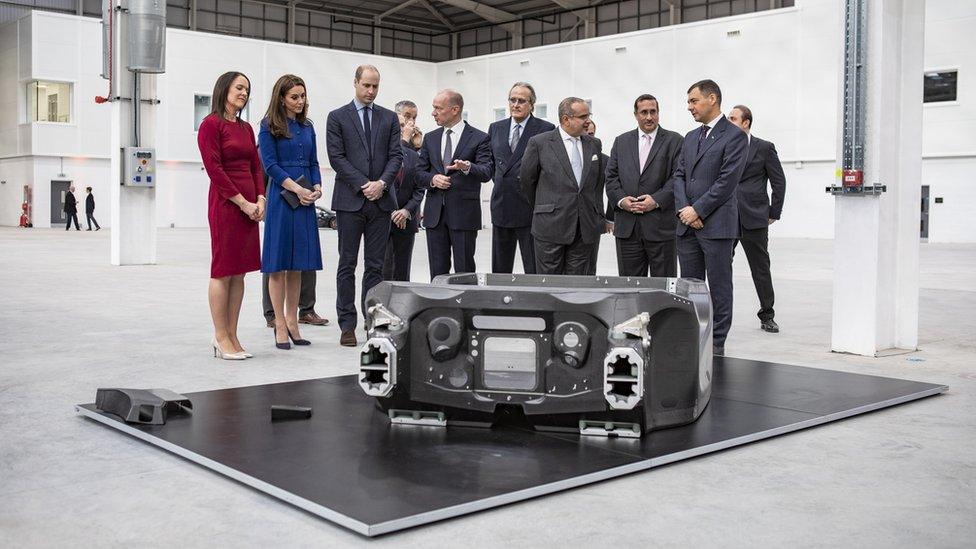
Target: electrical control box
[[139, 167]]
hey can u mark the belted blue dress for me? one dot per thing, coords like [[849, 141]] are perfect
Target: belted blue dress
[[291, 237]]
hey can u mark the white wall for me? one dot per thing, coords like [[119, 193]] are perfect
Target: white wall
[[784, 64]]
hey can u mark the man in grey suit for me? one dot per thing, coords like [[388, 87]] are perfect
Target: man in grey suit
[[562, 179], [511, 216], [756, 213], [640, 187], [709, 168]]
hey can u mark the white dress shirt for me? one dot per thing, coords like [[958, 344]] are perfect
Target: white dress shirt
[[711, 125], [569, 142], [511, 128], [456, 131], [640, 138]]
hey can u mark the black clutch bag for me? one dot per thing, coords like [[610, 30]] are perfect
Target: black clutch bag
[[292, 198]]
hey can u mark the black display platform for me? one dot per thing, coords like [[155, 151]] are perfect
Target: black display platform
[[349, 465]]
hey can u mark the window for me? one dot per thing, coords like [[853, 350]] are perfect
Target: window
[[501, 113], [939, 86], [201, 108], [541, 111], [49, 102]]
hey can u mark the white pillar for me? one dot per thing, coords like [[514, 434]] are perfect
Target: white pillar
[[876, 238], [133, 234]]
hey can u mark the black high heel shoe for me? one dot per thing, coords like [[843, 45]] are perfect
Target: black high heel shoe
[[283, 346], [298, 341]]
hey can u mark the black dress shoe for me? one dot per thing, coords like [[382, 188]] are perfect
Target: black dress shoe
[[770, 326], [298, 341], [283, 346], [718, 351]]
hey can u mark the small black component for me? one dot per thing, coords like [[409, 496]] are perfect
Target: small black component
[[147, 406], [282, 411]]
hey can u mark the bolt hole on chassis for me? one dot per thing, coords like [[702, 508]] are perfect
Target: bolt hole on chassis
[[605, 356]]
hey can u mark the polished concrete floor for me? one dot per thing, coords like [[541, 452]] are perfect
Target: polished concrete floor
[[70, 322]]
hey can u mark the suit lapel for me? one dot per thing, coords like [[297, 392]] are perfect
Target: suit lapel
[[588, 149], [354, 117], [655, 147], [501, 143], [559, 148], [714, 136], [438, 156], [462, 140]]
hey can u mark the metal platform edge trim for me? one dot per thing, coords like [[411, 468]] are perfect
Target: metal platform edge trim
[[798, 426], [217, 467], [558, 486], [502, 499]]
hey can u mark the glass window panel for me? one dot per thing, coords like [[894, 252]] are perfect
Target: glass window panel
[[49, 102], [940, 86]]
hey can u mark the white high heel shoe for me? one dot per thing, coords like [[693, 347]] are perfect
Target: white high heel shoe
[[218, 353]]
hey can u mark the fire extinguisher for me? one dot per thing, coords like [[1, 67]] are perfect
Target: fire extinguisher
[[24, 220]]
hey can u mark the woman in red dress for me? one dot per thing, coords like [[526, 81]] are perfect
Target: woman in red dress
[[235, 206]]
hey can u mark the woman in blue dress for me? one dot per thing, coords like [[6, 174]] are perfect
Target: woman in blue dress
[[291, 235]]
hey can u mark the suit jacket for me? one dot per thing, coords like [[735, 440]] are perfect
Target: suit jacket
[[409, 193], [761, 164], [70, 203], [626, 178], [90, 202], [357, 162], [608, 212], [706, 179], [508, 207], [558, 204], [459, 205]]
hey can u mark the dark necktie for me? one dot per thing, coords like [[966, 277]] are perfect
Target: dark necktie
[[515, 136], [448, 149], [367, 130], [701, 136]]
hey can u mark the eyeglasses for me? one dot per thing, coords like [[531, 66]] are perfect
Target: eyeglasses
[[517, 101], [582, 116]]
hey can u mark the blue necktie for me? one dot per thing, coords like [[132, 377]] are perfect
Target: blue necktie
[[701, 136]]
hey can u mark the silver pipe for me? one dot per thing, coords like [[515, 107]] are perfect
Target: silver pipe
[[136, 107]]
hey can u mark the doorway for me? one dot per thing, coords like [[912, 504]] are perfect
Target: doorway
[[59, 188]]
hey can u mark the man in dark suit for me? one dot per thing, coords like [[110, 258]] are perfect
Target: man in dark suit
[[363, 142], [71, 208], [511, 216], [403, 231], [756, 213], [709, 168], [90, 209], [455, 160], [609, 213], [640, 188], [562, 180]]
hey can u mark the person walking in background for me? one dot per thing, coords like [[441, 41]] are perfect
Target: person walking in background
[[291, 234], [756, 213], [236, 204], [90, 209], [363, 142], [71, 208], [511, 216]]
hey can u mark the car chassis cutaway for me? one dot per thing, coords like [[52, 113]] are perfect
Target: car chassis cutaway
[[610, 356]]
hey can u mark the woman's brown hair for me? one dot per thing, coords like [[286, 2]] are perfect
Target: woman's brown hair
[[221, 90], [277, 117]]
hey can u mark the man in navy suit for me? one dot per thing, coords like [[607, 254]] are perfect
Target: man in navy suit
[[511, 216], [455, 159], [403, 231], [709, 168], [756, 213], [363, 141]]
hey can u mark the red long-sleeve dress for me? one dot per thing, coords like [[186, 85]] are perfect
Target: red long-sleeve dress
[[231, 159]]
